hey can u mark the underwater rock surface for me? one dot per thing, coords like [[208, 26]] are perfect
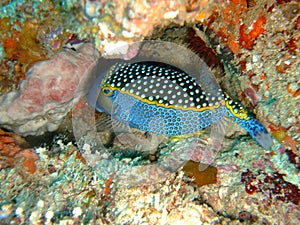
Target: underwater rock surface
[[258, 43], [48, 92]]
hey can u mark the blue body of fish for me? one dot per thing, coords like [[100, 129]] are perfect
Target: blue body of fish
[[162, 99]]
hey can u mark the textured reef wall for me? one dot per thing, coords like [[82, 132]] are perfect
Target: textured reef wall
[[48, 47], [261, 75]]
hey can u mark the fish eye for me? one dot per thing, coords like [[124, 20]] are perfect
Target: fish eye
[[107, 92]]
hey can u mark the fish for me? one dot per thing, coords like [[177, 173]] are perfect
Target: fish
[[159, 98]]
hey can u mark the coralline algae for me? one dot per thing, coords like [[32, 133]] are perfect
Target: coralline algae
[[48, 92], [81, 194]]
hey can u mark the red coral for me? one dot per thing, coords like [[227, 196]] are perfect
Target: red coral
[[12, 152], [247, 40], [258, 27], [273, 185], [282, 1], [297, 23], [293, 46], [239, 2], [233, 44]]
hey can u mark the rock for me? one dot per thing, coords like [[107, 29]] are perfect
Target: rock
[[47, 93]]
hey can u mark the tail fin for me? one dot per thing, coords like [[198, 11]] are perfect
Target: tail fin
[[248, 121], [257, 131]]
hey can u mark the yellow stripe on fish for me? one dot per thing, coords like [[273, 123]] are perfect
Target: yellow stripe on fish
[[236, 109]]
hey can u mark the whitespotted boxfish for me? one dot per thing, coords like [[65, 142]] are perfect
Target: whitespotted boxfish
[[162, 99]]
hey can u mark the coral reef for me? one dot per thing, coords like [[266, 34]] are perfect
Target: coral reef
[[122, 24], [260, 191], [145, 193], [275, 185], [30, 32], [265, 43], [48, 47]]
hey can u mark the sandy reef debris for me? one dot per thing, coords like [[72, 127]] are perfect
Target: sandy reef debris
[[71, 191]]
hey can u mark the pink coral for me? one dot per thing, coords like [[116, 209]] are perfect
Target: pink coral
[[46, 95]]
